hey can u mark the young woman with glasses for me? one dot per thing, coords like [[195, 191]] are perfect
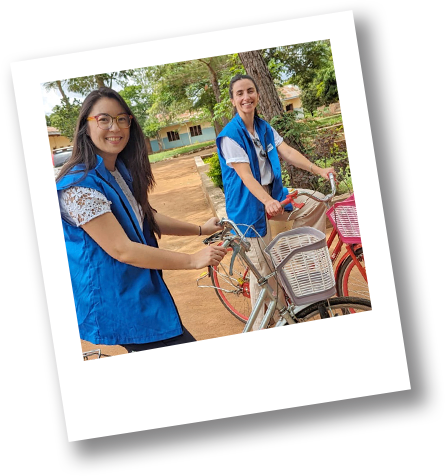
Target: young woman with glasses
[[249, 150], [110, 232]]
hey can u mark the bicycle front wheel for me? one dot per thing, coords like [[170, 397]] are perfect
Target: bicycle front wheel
[[233, 291], [350, 281], [338, 306]]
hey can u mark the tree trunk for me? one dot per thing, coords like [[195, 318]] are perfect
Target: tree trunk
[[256, 67], [217, 92], [100, 81], [160, 141], [270, 106], [62, 92], [148, 144]]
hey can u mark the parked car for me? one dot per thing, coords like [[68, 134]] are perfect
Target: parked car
[[60, 156]]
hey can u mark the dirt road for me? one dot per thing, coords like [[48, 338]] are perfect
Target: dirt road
[[178, 194]]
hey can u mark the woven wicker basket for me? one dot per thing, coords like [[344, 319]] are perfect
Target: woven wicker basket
[[343, 216], [303, 264]]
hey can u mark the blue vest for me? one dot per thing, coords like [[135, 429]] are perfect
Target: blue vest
[[116, 303], [241, 205]]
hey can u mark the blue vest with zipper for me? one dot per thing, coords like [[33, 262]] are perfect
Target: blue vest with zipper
[[241, 205], [116, 303]]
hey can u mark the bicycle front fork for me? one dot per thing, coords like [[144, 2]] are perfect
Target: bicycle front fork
[[274, 303]]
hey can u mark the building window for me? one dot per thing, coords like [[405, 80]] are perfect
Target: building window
[[172, 136], [290, 107], [195, 131]]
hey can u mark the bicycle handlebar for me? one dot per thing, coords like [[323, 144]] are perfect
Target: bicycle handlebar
[[230, 225], [290, 198]]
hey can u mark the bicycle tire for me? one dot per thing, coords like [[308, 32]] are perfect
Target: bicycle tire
[[346, 305], [350, 281], [232, 291]]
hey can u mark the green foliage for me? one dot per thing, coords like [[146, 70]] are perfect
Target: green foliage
[[326, 84], [310, 100], [224, 109], [301, 62], [215, 171], [138, 100], [321, 144], [329, 151], [48, 120], [294, 131], [64, 117]]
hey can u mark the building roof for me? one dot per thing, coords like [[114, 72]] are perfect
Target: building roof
[[289, 91], [52, 131]]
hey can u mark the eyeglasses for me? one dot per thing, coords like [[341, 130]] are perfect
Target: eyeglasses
[[105, 121], [257, 143]]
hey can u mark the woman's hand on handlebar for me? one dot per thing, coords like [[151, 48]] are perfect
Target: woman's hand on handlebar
[[208, 256], [273, 207], [211, 226], [324, 173]]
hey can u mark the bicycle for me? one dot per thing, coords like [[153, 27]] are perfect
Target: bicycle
[[89, 353], [350, 272], [313, 303]]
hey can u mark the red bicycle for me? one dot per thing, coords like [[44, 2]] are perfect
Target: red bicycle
[[233, 289]]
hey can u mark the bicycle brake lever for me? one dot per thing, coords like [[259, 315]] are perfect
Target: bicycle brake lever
[[235, 250], [215, 237], [297, 208]]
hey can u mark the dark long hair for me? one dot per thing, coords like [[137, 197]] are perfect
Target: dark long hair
[[134, 155], [236, 78]]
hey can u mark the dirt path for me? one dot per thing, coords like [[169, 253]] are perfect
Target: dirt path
[[178, 194]]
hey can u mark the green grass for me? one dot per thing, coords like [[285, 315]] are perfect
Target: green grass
[[315, 123], [179, 150]]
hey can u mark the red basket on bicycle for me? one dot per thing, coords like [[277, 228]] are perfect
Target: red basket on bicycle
[[343, 216]]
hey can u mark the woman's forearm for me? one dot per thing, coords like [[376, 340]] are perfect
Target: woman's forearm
[[254, 187], [143, 256], [171, 226], [295, 158], [107, 232]]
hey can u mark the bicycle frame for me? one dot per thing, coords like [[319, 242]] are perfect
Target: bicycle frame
[[349, 252], [287, 312], [266, 293]]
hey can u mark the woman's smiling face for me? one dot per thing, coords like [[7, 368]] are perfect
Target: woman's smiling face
[[245, 96], [108, 143]]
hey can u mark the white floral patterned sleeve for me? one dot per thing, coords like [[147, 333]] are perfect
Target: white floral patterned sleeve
[[79, 205]]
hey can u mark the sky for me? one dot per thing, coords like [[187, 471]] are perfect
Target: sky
[[53, 98]]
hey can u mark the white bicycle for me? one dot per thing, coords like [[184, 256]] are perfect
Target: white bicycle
[[300, 263]]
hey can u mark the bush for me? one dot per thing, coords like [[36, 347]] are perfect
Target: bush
[[215, 171], [328, 153]]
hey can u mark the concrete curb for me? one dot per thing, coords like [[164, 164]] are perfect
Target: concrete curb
[[213, 194], [215, 198]]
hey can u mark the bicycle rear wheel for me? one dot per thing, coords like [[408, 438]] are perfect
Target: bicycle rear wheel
[[233, 291], [333, 307], [350, 281]]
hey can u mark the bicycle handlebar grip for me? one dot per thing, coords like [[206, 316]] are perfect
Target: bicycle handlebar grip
[[332, 180], [289, 198]]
